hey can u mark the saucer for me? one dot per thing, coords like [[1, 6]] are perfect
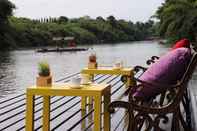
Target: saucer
[[88, 83], [117, 68], [74, 86]]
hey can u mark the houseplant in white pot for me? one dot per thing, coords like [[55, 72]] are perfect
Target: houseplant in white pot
[[44, 76]]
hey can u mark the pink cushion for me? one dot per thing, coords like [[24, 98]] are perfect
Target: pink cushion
[[167, 70]]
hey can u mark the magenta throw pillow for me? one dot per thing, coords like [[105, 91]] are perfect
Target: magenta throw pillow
[[167, 70]]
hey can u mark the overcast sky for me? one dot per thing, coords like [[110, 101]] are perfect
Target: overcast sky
[[134, 10]]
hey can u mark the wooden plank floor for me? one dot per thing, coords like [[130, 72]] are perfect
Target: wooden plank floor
[[193, 103], [66, 113]]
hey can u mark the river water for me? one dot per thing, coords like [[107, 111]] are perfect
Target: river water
[[18, 69]]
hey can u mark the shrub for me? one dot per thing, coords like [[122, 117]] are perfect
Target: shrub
[[43, 69]]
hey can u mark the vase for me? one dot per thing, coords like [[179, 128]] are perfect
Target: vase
[[44, 81]]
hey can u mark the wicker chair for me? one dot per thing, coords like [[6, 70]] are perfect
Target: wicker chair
[[163, 109]]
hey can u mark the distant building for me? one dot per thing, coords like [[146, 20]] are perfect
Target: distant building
[[61, 40]]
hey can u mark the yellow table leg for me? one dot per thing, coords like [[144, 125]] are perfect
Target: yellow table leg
[[83, 123], [29, 113], [90, 102], [46, 113], [107, 99], [97, 113], [83, 102], [90, 107], [83, 110]]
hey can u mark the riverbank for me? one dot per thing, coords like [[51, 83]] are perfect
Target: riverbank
[[40, 32]]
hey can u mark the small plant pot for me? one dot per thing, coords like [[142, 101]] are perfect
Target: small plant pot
[[92, 65], [44, 81]]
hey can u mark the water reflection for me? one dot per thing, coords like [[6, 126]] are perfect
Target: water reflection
[[18, 69], [7, 73]]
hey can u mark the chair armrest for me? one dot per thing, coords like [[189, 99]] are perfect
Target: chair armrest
[[152, 60], [118, 104], [138, 68], [149, 62], [133, 106], [164, 87], [155, 57], [148, 109]]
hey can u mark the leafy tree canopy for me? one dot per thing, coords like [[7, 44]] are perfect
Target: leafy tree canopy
[[178, 19], [6, 8]]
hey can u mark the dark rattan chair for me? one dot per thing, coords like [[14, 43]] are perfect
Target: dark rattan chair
[[167, 107]]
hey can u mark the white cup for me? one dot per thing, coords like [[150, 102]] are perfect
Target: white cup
[[85, 78], [76, 81]]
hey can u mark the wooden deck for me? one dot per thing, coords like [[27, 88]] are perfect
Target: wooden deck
[[66, 111], [193, 102]]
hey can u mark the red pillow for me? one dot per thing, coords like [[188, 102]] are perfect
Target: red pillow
[[181, 43]]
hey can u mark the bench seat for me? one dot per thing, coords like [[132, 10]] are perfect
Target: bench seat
[[170, 106]]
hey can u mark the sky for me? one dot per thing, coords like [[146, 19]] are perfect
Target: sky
[[134, 10]]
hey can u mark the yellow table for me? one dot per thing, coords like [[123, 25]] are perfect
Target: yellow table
[[126, 72], [93, 90]]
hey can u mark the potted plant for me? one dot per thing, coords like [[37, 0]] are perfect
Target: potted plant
[[44, 78]]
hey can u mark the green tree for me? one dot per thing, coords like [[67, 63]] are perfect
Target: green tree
[[127, 28], [62, 19], [6, 8], [112, 20], [85, 30], [178, 19], [100, 18]]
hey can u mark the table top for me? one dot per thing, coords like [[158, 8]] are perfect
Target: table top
[[108, 70], [66, 89]]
